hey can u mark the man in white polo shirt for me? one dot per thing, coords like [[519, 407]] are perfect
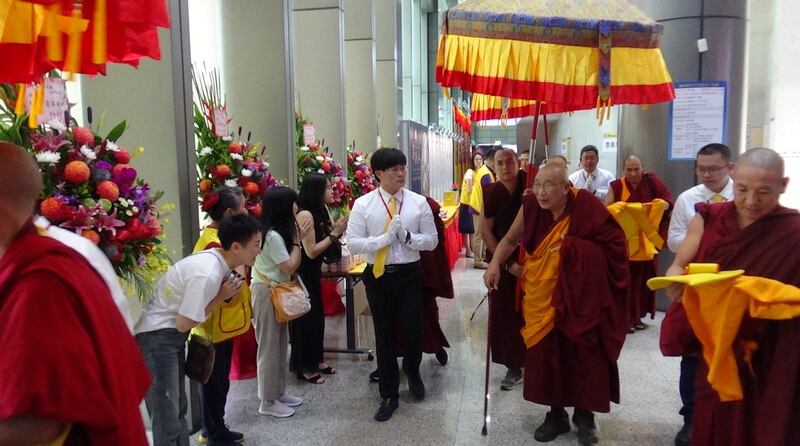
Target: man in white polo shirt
[[390, 226], [713, 169]]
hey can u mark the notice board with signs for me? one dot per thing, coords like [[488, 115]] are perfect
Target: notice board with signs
[[698, 116]]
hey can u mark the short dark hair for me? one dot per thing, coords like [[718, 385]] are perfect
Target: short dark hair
[[229, 198], [490, 153], [711, 149], [589, 148], [237, 228], [386, 158]]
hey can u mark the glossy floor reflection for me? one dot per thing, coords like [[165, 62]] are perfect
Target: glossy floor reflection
[[339, 412]]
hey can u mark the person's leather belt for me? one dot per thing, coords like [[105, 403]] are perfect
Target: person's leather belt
[[398, 267]]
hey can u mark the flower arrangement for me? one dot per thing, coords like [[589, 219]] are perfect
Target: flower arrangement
[[90, 188], [316, 158], [220, 159], [359, 173]]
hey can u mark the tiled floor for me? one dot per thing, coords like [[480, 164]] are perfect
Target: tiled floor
[[339, 412]]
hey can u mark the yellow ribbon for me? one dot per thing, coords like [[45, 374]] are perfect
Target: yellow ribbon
[[380, 257]]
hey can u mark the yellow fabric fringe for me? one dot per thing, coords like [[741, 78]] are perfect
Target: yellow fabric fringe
[[547, 62]]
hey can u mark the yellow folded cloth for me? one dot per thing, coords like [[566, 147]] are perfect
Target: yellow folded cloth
[[697, 275], [640, 223], [715, 314]]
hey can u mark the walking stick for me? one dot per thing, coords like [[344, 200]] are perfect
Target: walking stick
[[485, 429], [479, 305]]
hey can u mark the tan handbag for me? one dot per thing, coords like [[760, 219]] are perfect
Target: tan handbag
[[289, 299]]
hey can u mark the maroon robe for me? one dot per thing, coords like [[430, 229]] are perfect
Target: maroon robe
[[576, 363], [436, 282], [67, 354], [642, 300], [769, 414], [507, 345]]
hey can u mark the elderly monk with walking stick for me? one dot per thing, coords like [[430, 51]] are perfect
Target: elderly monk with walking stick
[[574, 278]]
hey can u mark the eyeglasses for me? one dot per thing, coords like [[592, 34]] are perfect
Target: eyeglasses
[[713, 170], [547, 186]]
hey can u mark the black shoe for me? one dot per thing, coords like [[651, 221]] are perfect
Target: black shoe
[[386, 409], [373, 377], [441, 356], [416, 386], [684, 437], [555, 424], [587, 431], [231, 439]]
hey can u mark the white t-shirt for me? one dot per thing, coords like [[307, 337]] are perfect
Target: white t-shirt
[[186, 288], [97, 259]]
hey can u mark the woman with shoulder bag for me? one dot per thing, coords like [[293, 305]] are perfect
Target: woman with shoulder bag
[[320, 242], [278, 262]]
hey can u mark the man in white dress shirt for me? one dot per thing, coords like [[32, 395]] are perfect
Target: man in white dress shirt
[[713, 168], [390, 226], [591, 177]]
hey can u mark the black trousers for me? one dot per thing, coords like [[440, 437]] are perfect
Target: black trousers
[[688, 372], [214, 394], [396, 296]]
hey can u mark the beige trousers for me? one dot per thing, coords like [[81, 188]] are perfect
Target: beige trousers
[[273, 344], [477, 241]]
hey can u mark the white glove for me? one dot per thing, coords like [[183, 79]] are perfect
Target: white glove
[[396, 228]]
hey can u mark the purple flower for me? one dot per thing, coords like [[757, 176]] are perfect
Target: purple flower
[[68, 199], [125, 179], [140, 196], [104, 165]]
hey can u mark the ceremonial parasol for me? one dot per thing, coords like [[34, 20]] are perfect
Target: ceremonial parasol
[[565, 55], [37, 36]]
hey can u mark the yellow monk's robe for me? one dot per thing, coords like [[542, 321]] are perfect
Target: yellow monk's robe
[[476, 197]]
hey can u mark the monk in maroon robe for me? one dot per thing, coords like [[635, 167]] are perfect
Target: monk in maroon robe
[[575, 275], [639, 187], [501, 204], [436, 282], [757, 234], [70, 369]]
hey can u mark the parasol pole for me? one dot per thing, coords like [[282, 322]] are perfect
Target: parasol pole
[[546, 139], [532, 170]]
